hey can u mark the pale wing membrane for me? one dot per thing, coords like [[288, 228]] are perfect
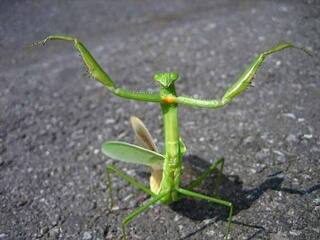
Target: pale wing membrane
[[144, 138], [142, 134], [155, 180], [127, 152]]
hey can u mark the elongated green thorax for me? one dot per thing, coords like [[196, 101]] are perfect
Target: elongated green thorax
[[172, 162]]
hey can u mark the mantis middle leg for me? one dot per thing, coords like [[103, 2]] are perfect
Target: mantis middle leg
[[112, 169], [213, 168], [200, 196]]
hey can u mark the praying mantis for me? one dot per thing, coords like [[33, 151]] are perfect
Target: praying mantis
[[166, 168]]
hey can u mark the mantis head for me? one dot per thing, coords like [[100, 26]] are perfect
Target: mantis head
[[166, 78]]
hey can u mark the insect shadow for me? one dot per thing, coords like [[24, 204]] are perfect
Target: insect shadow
[[231, 188]]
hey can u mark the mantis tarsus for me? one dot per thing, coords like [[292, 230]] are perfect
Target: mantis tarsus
[[166, 168]]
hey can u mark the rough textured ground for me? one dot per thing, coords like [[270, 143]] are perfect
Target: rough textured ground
[[53, 118]]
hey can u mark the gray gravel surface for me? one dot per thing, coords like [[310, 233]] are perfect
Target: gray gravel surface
[[53, 118]]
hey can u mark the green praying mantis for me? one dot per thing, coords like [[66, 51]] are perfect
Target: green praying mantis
[[166, 168]]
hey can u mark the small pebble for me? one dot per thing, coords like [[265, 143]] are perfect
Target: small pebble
[[177, 218], [316, 201], [289, 115], [2, 235], [248, 139], [307, 136], [87, 236], [283, 8], [96, 151], [291, 138], [295, 232], [278, 63], [281, 157], [115, 208], [210, 233], [54, 233], [279, 236]]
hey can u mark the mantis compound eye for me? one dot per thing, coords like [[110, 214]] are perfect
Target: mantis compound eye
[[157, 76], [174, 76]]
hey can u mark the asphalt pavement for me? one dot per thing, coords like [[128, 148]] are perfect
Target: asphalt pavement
[[54, 117]]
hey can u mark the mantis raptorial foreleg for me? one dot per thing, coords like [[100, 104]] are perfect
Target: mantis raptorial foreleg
[[100, 75], [200, 196], [213, 168], [154, 200], [240, 85], [112, 169]]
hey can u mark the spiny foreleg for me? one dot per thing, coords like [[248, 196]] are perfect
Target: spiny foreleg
[[240, 85], [99, 74], [247, 76]]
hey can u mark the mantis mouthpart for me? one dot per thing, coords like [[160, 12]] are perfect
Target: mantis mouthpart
[[166, 168]]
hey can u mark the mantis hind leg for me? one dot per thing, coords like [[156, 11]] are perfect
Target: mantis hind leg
[[200, 196], [154, 200], [213, 168], [112, 169]]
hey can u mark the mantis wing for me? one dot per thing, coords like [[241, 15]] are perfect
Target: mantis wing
[[142, 134], [145, 139], [126, 152]]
